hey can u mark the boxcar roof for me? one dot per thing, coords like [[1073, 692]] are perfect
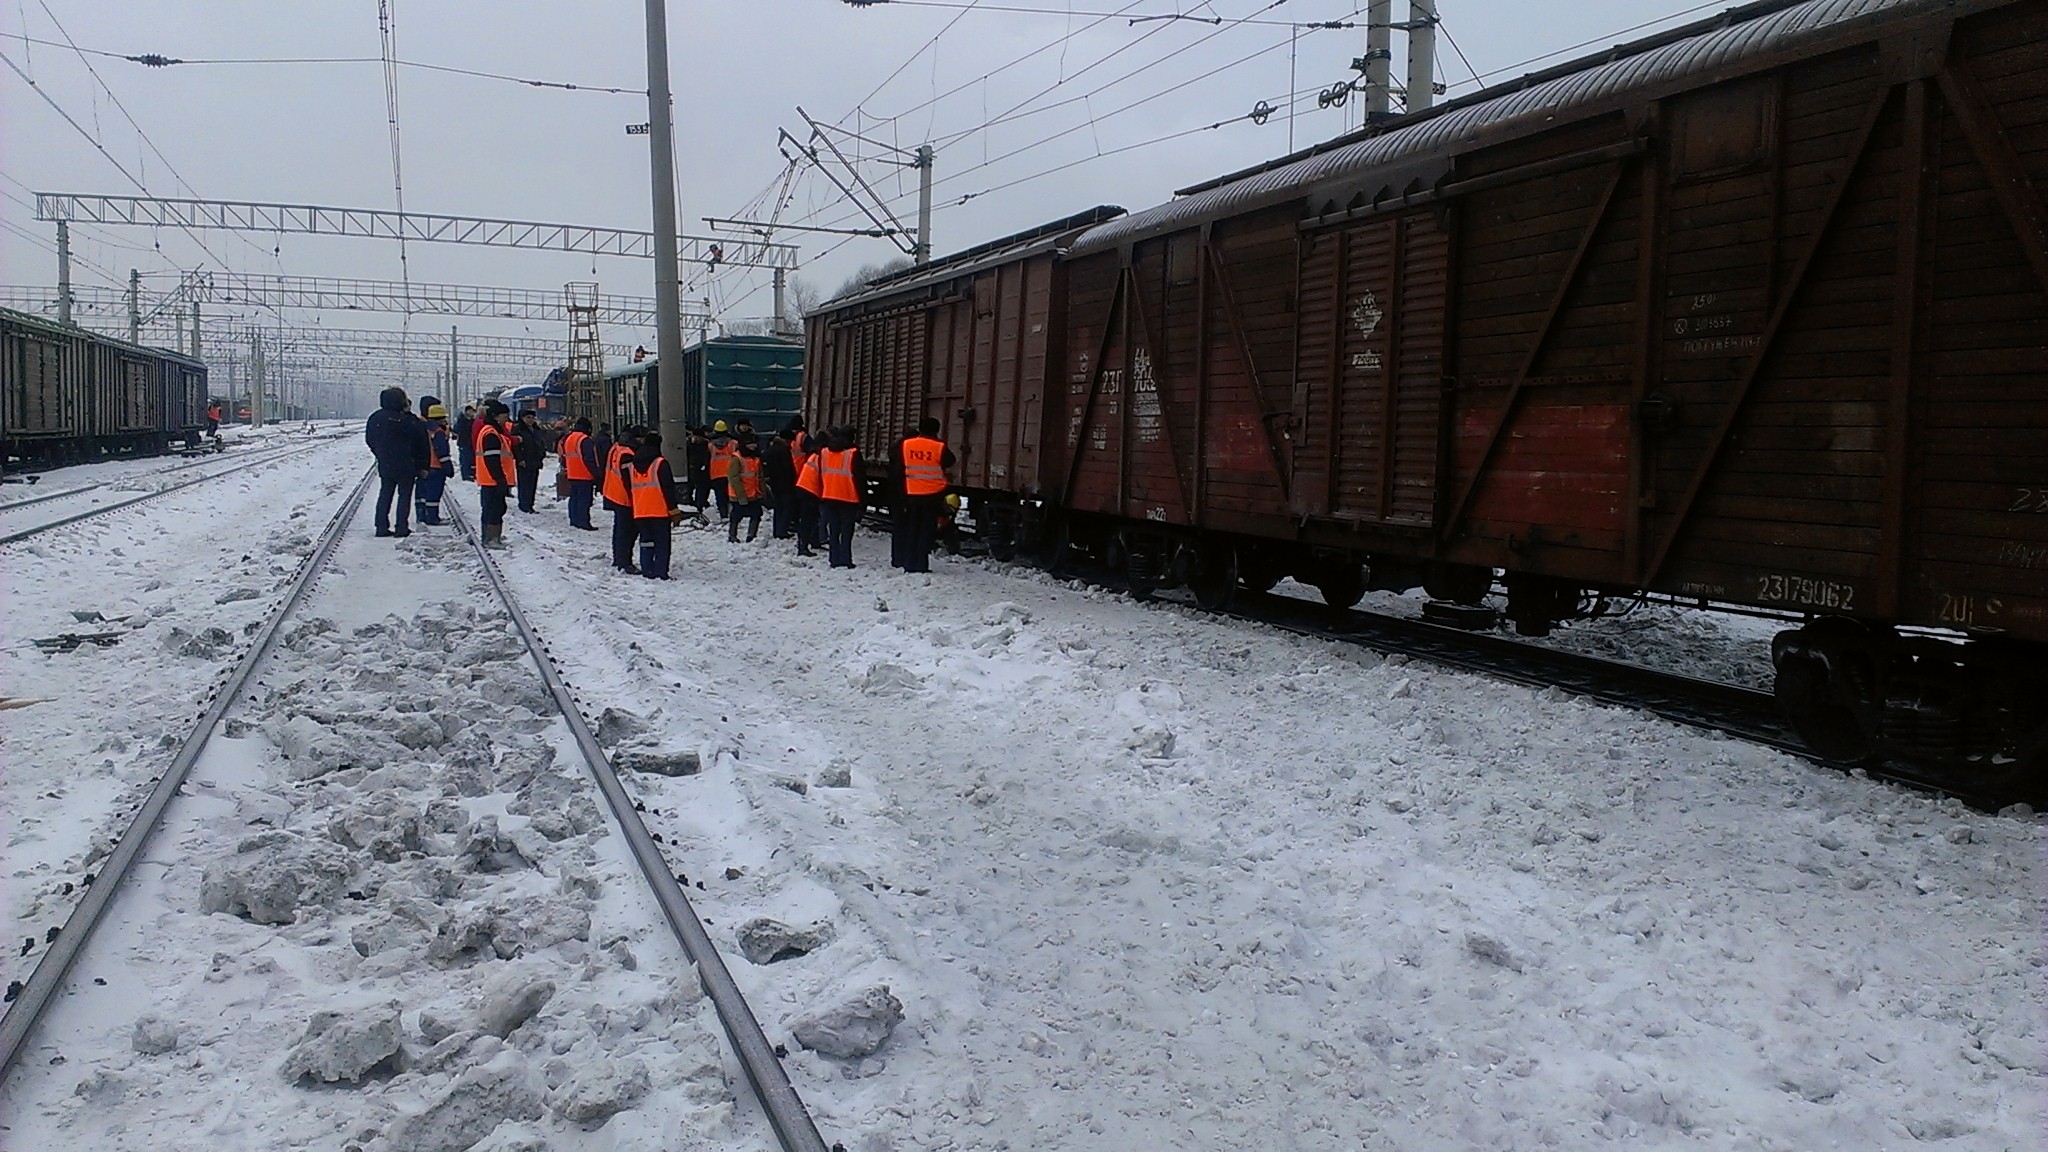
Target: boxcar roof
[[1043, 237], [1724, 46]]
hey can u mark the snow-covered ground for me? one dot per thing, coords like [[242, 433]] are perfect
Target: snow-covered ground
[[1139, 877]]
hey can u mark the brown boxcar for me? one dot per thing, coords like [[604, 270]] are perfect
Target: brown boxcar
[[1755, 311], [72, 395]]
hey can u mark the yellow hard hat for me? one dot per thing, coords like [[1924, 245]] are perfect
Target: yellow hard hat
[[952, 499], [436, 412], [718, 427]]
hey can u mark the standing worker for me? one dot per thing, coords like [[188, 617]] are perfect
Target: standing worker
[[924, 459], [744, 492], [439, 467], [213, 419], [656, 501], [529, 452], [778, 469], [465, 440], [618, 500], [579, 464], [697, 467], [495, 472], [841, 479], [723, 449], [398, 440]]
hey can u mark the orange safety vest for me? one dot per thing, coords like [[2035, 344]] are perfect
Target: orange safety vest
[[615, 489], [722, 457], [746, 475], [807, 477], [433, 452], [923, 472], [798, 455], [649, 502], [835, 471], [493, 458], [574, 466]]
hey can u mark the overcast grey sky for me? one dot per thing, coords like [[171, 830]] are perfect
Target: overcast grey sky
[[316, 132]]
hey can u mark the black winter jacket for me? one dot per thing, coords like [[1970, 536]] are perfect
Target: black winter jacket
[[397, 438]]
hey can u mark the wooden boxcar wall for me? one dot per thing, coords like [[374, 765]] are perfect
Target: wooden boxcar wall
[[1179, 379], [971, 351], [43, 376], [1789, 355]]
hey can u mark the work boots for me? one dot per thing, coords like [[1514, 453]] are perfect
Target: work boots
[[494, 535]]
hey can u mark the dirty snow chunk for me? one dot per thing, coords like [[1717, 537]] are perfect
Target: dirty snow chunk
[[1151, 742], [1492, 951], [885, 678], [486, 849], [207, 644], [511, 1136], [851, 1029], [659, 762], [512, 1001], [472, 1107], [764, 940], [600, 1090], [837, 774], [554, 795], [341, 1046], [416, 731], [154, 1036], [434, 1028], [273, 875], [615, 725], [234, 595], [1004, 612]]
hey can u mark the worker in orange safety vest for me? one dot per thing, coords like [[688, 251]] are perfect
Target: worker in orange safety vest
[[656, 501], [496, 474], [746, 492], [618, 499], [919, 472], [579, 464], [724, 446], [842, 480]]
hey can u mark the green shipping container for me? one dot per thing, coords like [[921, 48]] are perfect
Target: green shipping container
[[757, 378]]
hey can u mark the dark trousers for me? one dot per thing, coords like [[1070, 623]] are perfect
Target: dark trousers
[[749, 512], [840, 517], [579, 504], [625, 530], [785, 511], [492, 500], [468, 453], [394, 486], [920, 525], [700, 490], [809, 529], [656, 538], [427, 493], [529, 483], [900, 531], [718, 491]]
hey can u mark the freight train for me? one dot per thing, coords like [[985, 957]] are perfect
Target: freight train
[[730, 378], [1751, 312], [72, 395]]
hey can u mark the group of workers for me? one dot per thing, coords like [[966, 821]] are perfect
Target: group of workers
[[815, 486]]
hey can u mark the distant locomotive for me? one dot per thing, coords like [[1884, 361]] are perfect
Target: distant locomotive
[[72, 395], [1754, 311]]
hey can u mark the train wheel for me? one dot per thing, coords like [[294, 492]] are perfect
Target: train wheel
[[1813, 702], [1257, 577], [1056, 548], [1142, 564], [1457, 583], [1214, 575], [1342, 583]]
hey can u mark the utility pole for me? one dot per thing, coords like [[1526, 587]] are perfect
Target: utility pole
[[256, 379], [195, 328], [134, 305], [454, 357], [1379, 58], [63, 272], [779, 326], [668, 287], [1421, 54], [923, 164]]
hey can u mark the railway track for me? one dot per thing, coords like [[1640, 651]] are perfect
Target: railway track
[[223, 467], [259, 677]]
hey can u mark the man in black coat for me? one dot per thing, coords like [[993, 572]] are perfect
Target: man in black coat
[[530, 453], [778, 468], [398, 439], [465, 440]]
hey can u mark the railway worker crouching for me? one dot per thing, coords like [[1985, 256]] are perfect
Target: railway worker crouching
[[842, 477], [921, 462], [618, 499], [579, 464], [465, 440], [656, 502], [495, 473], [744, 491], [434, 483], [398, 439]]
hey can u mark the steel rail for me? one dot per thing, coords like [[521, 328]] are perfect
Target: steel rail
[[88, 514], [27, 1010], [794, 1128], [63, 492]]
